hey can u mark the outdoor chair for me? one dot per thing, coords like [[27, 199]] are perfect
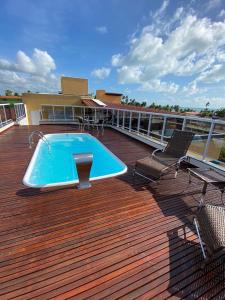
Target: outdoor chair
[[100, 125], [209, 221], [161, 161]]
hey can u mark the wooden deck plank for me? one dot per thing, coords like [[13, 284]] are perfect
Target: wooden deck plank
[[119, 239]]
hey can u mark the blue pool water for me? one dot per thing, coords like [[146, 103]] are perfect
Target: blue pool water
[[55, 166]]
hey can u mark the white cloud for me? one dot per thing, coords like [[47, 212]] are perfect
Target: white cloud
[[102, 29], [184, 46], [222, 13], [34, 73], [157, 85], [116, 60], [213, 4], [101, 73], [215, 74]]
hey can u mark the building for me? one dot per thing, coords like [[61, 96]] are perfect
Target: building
[[74, 92], [106, 97]]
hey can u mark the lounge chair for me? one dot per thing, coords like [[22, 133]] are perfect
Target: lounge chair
[[154, 166], [209, 221]]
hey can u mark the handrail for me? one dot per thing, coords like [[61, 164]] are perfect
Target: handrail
[[172, 115], [41, 136]]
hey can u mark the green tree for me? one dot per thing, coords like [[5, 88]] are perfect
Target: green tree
[[8, 93]]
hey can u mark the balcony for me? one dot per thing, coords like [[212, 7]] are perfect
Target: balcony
[[119, 239], [11, 114]]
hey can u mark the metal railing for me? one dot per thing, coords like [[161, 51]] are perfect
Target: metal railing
[[151, 127], [19, 111], [5, 115]]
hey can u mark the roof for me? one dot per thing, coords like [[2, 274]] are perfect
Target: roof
[[114, 94], [140, 108], [10, 97], [91, 103]]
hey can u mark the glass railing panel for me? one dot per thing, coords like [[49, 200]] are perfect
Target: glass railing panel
[[201, 130], [78, 112], [215, 152], [156, 127], [134, 121], [120, 116], [2, 115], [59, 113], [68, 113], [47, 113], [127, 115], [143, 128], [172, 123]]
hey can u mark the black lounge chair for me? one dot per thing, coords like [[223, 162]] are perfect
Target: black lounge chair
[[154, 166], [209, 221]]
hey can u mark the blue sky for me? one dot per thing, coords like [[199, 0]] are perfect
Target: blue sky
[[169, 52]]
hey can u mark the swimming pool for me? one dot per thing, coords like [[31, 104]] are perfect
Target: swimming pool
[[54, 165]]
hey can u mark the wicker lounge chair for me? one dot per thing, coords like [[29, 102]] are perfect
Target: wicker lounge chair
[[209, 221], [154, 166]]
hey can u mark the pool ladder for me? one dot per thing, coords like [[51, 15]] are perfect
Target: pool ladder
[[40, 134]]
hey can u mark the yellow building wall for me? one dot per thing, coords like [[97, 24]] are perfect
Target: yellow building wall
[[101, 95], [33, 102], [74, 86]]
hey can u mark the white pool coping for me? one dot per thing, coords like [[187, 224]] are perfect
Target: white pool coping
[[34, 157]]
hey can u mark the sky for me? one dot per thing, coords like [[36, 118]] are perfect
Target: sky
[[170, 52]]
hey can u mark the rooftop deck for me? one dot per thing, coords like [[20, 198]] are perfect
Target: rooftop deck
[[118, 239]]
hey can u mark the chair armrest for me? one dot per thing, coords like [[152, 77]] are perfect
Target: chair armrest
[[181, 159], [155, 151]]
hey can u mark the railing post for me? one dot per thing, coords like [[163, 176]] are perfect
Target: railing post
[[139, 120], [113, 111], [163, 129], [130, 121], [149, 124], [123, 119], [64, 113], [205, 152], [4, 113], [118, 114], [184, 124], [73, 113]]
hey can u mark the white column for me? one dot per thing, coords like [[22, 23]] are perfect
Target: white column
[[205, 152], [149, 124], [130, 122], [163, 129]]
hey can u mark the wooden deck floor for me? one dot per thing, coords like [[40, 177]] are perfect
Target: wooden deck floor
[[115, 240]]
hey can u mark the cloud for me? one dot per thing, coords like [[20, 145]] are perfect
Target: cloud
[[34, 73], [157, 85], [215, 74], [102, 29], [116, 60], [184, 46], [101, 73], [213, 4], [222, 13]]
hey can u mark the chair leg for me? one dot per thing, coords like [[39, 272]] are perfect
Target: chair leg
[[133, 175], [200, 239]]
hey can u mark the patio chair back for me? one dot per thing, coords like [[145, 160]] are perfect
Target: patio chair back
[[179, 143], [211, 220]]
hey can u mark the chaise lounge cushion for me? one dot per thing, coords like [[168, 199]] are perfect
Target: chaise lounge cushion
[[150, 166]]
